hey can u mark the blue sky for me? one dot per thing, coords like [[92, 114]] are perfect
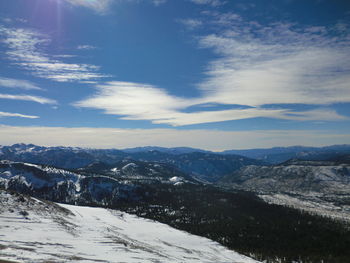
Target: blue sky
[[213, 74]]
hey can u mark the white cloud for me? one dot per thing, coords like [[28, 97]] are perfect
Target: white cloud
[[208, 2], [36, 99], [276, 64], [17, 83], [133, 101], [86, 47], [205, 139], [159, 2], [9, 114], [25, 50], [255, 75], [103, 7], [99, 6], [191, 23]]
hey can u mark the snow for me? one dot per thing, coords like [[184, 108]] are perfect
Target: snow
[[129, 166], [66, 233], [33, 165], [175, 179], [115, 170], [312, 203], [34, 177]]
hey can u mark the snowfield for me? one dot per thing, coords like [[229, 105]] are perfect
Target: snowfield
[[39, 231]]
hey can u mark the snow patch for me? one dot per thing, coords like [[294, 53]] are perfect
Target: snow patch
[[33, 231]]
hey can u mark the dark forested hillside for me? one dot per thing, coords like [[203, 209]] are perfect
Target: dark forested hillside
[[238, 220], [245, 223], [202, 165]]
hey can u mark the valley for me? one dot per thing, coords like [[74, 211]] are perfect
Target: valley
[[296, 211]]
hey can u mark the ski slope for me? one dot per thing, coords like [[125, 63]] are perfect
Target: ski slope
[[38, 231]]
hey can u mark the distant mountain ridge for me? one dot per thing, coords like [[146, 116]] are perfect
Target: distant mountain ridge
[[272, 155], [204, 166], [173, 150], [294, 176], [281, 154]]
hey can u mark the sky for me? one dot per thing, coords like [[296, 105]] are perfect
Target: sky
[[210, 74]]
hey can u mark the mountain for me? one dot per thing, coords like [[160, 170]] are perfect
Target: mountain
[[83, 188], [321, 187], [201, 165], [137, 171], [174, 150], [281, 154], [204, 166], [35, 230], [238, 220], [294, 176], [64, 157]]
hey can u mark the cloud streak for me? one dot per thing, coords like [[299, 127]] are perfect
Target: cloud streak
[[286, 67], [99, 6], [205, 139], [31, 98], [25, 50], [86, 47], [134, 101], [9, 114], [208, 2], [18, 84], [104, 7], [261, 70]]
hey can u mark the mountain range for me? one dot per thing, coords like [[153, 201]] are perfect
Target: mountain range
[[294, 211]]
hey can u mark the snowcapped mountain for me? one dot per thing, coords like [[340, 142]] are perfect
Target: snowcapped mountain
[[64, 157], [146, 172], [294, 176], [320, 187], [238, 220], [34, 230], [208, 167], [204, 166], [174, 150], [120, 183], [278, 155]]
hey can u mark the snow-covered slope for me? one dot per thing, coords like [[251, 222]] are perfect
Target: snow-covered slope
[[297, 176], [118, 184], [39, 231], [320, 187]]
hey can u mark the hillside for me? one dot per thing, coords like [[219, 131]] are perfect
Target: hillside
[[238, 220], [33, 230], [278, 155], [204, 166], [321, 187]]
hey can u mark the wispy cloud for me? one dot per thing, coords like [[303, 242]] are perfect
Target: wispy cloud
[[37, 99], [9, 114], [134, 101], [258, 66], [17, 83], [25, 49], [208, 2], [99, 6], [191, 23], [158, 2], [277, 65], [103, 7], [86, 47], [205, 139]]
